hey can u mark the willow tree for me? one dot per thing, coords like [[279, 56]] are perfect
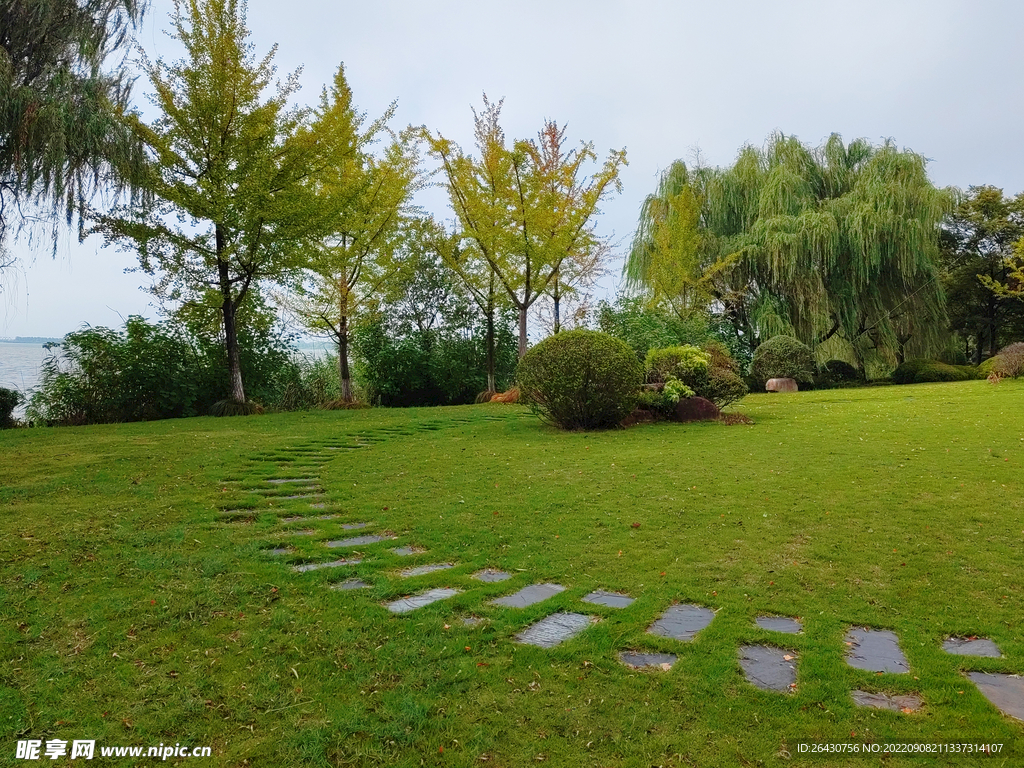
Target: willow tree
[[229, 174], [835, 241], [60, 139], [527, 208], [363, 200]]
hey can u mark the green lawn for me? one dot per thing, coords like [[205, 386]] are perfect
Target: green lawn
[[133, 613]]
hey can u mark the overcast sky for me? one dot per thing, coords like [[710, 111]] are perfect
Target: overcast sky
[[659, 78]]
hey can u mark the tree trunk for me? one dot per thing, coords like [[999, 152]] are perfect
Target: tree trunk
[[492, 385], [346, 376], [522, 329], [557, 297], [228, 310]]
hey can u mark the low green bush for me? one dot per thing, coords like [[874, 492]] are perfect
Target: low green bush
[[988, 366], [724, 387], [580, 379], [783, 357], [922, 371], [9, 400], [686, 363], [838, 373], [653, 400]]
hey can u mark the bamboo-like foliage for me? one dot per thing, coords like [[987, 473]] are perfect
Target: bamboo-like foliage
[[60, 140], [814, 242]]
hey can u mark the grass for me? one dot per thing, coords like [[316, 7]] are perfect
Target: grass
[[134, 613]]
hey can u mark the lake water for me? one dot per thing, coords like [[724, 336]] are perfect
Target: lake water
[[19, 367]]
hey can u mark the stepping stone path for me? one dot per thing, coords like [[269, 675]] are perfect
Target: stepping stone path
[[682, 622], [1005, 692], [876, 650], [767, 668], [972, 646], [279, 480], [350, 584], [491, 575], [302, 496], [530, 595], [280, 550], [353, 526], [407, 604], [321, 505], [905, 703], [406, 551], [302, 532], [554, 629], [423, 570], [357, 541], [472, 621], [609, 599], [306, 567], [779, 624], [662, 661], [292, 519]]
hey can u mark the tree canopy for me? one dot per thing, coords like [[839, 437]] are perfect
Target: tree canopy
[[834, 241]]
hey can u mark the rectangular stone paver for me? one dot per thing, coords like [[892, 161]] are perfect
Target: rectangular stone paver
[[530, 595], [976, 646], [779, 624], [357, 541], [554, 629], [876, 650], [609, 599], [406, 551], [1005, 692], [350, 584], [682, 622], [768, 668], [305, 567], [423, 570], [905, 703], [279, 480], [353, 526], [640, 660], [407, 604], [491, 575]]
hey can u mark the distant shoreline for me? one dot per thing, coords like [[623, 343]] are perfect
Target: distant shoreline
[[32, 340]]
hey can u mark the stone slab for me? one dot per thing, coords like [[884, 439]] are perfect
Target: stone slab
[[302, 532], [904, 703], [491, 575], [407, 604], [876, 650], [1005, 692], [323, 517], [356, 541], [244, 512], [353, 526], [471, 621], [300, 496], [320, 505], [280, 480], [779, 624], [279, 550], [609, 599], [423, 570], [292, 519], [530, 595], [306, 567], [554, 629], [642, 660], [768, 668], [350, 584], [682, 622], [978, 646], [406, 551]]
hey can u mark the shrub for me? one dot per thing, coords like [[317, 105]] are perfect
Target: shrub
[[675, 389], [9, 400], [580, 379], [686, 363], [987, 367], [1011, 361], [783, 357], [924, 371], [838, 373], [724, 387]]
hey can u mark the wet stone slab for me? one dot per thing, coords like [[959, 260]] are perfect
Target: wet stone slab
[[349, 584], [768, 668], [682, 622], [903, 703], [491, 575], [423, 570], [406, 551], [876, 650], [1005, 692], [554, 629], [609, 599], [356, 541], [306, 567], [643, 660], [972, 646], [530, 595], [407, 604], [779, 624], [354, 526]]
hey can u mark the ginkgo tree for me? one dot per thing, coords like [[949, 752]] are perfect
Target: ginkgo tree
[[364, 200], [230, 173], [527, 207]]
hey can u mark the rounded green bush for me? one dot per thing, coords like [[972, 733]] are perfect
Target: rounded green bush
[[927, 371], [988, 366], [783, 357], [580, 379]]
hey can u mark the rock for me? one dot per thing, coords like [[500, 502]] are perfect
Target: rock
[[781, 385], [695, 409]]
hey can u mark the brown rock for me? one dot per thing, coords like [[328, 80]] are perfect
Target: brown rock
[[695, 409], [781, 385]]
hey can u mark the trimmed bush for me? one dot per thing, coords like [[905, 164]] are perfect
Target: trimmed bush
[[926, 371], [783, 357], [580, 379], [987, 367], [9, 400], [840, 372], [724, 387], [687, 363]]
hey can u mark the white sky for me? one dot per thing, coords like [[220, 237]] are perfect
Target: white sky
[[660, 78]]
